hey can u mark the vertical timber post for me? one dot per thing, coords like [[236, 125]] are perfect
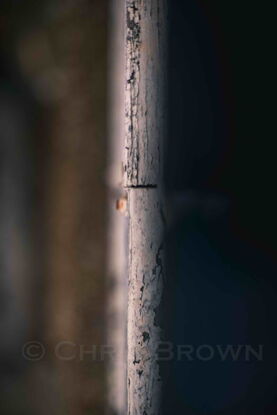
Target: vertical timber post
[[145, 38]]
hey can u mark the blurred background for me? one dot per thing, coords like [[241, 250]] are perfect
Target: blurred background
[[53, 215], [220, 177], [63, 244]]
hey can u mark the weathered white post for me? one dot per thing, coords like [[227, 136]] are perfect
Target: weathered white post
[[145, 124]]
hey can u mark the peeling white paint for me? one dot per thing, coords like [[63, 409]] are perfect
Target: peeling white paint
[[144, 128], [145, 292], [144, 91]]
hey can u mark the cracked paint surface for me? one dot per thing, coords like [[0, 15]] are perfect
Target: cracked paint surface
[[145, 293], [144, 108], [142, 167]]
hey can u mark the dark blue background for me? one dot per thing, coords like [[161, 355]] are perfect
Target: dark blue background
[[220, 180]]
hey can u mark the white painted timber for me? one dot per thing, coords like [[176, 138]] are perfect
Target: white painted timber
[[144, 91], [146, 275], [145, 41]]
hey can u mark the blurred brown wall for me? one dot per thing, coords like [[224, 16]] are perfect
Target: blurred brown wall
[[62, 55]]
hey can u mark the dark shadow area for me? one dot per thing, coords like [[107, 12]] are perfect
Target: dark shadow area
[[220, 181]]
